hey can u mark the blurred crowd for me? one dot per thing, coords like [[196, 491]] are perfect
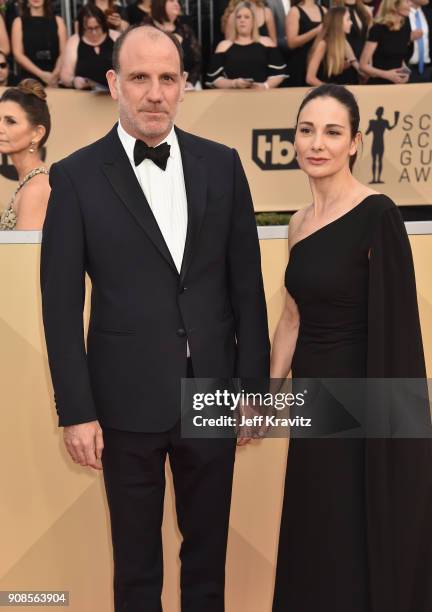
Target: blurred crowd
[[262, 43]]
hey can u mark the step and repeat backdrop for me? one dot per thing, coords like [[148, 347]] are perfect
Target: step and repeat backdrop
[[396, 122], [54, 521]]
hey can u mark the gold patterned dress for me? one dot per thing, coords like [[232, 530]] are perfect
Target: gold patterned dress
[[8, 218]]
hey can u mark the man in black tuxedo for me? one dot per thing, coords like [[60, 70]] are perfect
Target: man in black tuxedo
[[421, 22], [162, 221]]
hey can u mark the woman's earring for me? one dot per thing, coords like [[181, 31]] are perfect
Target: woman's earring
[[32, 147]]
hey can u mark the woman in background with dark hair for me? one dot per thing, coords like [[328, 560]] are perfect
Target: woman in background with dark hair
[[38, 41], [25, 125], [165, 15], [304, 22], [331, 59], [355, 532], [114, 13], [88, 54]]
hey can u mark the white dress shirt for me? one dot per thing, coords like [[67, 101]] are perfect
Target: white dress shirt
[[424, 26], [165, 192]]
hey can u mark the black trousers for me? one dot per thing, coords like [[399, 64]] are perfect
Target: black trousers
[[134, 475]]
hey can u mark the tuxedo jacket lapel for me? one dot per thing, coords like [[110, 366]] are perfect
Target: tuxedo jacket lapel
[[195, 177], [120, 174]]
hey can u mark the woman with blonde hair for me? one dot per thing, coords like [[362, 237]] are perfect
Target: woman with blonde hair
[[25, 125], [361, 17], [332, 59], [248, 60], [303, 24], [263, 16], [389, 44]]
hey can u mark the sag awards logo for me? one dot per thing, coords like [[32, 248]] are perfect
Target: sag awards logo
[[412, 146], [274, 149]]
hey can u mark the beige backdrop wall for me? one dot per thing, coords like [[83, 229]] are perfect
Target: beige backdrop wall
[[261, 126], [54, 523]]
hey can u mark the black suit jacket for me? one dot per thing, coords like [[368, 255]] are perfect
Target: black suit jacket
[[142, 310]]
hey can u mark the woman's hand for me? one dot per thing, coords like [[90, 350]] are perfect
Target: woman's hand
[[242, 83], [397, 76], [114, 21], [261, 86], [46, 76], [81, 83], [416, 34]]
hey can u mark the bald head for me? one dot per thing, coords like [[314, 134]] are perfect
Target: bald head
[[140, 35]]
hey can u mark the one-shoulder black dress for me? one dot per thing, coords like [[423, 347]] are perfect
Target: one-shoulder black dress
[[356, 527]]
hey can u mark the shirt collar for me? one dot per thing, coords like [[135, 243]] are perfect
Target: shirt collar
[[128, 141]]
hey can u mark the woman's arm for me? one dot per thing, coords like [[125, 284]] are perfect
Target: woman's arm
[[4, 38], [19, 55], [62, 36], [367, 67], [67, 72], [295, 39], [32, 206], [285, 339], [270, 23], [314, 63]]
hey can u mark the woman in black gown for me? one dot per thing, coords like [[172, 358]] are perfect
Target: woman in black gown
[[389, 44], [356, 533], [332, 59]]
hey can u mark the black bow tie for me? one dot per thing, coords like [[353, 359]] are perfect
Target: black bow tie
[[159, 155]]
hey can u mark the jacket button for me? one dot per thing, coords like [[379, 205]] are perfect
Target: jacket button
[[181, 333], [183, 289]]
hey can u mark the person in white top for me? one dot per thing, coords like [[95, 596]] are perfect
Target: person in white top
[[420, 61]]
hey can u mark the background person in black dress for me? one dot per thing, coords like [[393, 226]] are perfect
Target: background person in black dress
[[331, 59], [38, 41], [166, 15], [389, 44], [88, 54], [304, 22], [263, 15], [355, 531], [361, 17], [137, 11], [249, 61]]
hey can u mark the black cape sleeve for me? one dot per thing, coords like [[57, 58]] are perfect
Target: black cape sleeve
[[398, 469], [216, 69]]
